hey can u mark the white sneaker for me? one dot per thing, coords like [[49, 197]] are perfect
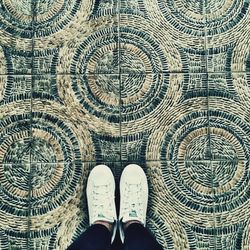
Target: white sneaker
[[134, 196], [101, 197]]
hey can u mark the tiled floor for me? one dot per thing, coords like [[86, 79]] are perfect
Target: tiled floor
[[161, 83]]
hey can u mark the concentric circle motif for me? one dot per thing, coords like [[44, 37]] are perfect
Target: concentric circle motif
[[49, 143], [246, 236], [50, 16], [184, 15], [223, 15], [97, 54], [140, 53], [137, 53], [193, 16], [13, 238], [53, 15], [227, 237], [164, 236], [241, 54], [139, 93], [194, 180], [16, 17], [52, 183]]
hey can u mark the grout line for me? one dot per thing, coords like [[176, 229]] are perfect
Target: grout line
[[132, 74], [207, 74], [139, 160], [119, 72], [119, 36], [208, 117], [120, 80], [33, 7]]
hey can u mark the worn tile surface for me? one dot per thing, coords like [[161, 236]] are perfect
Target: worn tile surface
[[161, 83]]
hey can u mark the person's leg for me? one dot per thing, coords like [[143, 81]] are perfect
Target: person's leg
[[102, 212], [137, 237], [96, 237], [133, 209]]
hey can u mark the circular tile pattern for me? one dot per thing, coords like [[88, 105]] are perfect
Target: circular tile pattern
[[15, 131], [241, 56], [17, 17], [139, 53], [52, 16], [191, 17], [223, 15], [97, 54], [156, 224], [52, 183], [51, 141], [100, 93], [15, 139], [184, 15], [137, 103], [51, 133], [185, 152]]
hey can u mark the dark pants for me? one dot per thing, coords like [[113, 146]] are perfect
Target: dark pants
[[97, 237]]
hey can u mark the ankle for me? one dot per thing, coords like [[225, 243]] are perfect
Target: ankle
[[108, 225], [128, 223]]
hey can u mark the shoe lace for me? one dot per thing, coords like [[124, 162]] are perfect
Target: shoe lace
[[133, 201], [102, 202]]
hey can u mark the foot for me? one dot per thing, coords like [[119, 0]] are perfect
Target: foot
[[101, 198], [134, 197]]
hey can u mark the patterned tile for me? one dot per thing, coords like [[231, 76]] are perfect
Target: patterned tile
[[162, 36], [227, 25], [45, 86], [15, 88], [15, 129], [17, 18], [208, 200], [16, 22], [56, 203], [181, 198], [56, 138], [222, 85], [76, 118], [17, 60], [229, 128], [160, 83], [231, 188], [14, 208], [162, 120], [76, 37]]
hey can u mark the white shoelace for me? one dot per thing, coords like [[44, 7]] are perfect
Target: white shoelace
[[102, 202], [133, 201]]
